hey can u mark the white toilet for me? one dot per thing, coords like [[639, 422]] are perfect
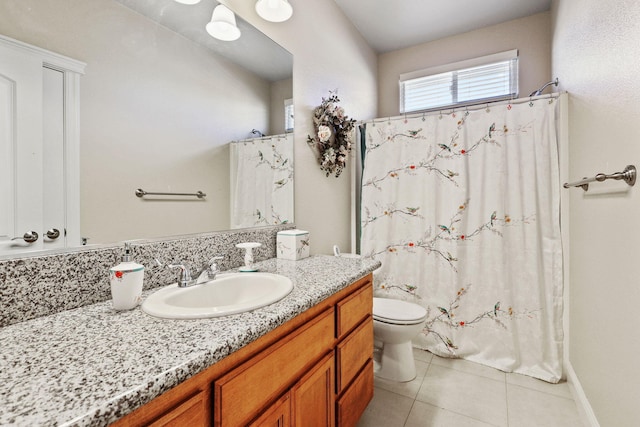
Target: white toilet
[[395, 324]]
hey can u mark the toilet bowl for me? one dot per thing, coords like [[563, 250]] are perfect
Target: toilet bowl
[[395, 324]]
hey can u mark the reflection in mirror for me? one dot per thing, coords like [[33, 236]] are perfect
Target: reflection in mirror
[[160, 103], [262, 181]]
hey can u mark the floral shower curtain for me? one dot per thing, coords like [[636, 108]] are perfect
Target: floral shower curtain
[[463, 210], [262, 181]]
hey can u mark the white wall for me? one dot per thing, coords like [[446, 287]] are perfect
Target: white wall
[[596, 56], [157, 113], [531, 35], [280, 91], [328, 54]]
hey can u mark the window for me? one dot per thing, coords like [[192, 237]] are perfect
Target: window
[[288, 115], [488, 78]]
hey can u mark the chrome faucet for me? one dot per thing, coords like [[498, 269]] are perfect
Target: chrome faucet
[[185, 279]]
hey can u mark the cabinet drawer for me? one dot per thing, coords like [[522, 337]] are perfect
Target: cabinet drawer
[[353, 309], [353, 352], [354, 401], [248, 389]]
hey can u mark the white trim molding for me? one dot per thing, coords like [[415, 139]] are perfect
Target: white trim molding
[[50, 59], [467, 63], [582, 403]]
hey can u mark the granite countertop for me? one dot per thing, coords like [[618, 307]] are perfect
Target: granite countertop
[[93, 365]]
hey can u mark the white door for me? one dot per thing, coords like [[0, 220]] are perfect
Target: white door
[[53, 150], [39, 162], [20, 150]]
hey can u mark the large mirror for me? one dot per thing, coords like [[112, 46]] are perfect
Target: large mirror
[[160, 103]]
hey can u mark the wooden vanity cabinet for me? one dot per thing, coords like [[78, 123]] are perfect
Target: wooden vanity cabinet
[[278, 414], [309, 403], [242, 393], [314, 396], [354, 355], [192, 412], [316, 370]]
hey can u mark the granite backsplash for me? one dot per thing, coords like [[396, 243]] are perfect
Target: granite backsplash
[[41, 285]]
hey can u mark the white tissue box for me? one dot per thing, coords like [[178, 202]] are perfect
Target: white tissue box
[[292, 244]]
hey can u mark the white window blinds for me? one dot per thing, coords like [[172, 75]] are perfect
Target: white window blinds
[[489, 78], [288, 115]]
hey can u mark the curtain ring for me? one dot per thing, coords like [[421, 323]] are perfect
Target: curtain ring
[[488, 110], [423, 118], [530, 102]]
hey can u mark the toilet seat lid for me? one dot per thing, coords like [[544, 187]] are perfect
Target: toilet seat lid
[[393, 310]]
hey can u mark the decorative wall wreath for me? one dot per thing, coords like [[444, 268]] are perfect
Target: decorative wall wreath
[[334, 134]]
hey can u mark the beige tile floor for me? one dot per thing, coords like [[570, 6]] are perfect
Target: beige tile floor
[[458, 393]]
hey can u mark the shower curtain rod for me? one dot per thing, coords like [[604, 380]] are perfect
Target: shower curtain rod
[[471, 107], [279, 135]]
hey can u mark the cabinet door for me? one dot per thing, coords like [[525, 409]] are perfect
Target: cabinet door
[[314, 397], [278, 414]]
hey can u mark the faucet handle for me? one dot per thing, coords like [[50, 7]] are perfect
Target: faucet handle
[[210, 271], [184, 276], [213, 261]]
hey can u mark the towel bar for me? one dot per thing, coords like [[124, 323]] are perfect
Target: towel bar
[[141, 193], [628, 175]]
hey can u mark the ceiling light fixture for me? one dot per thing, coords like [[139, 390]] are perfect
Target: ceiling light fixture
[[188, 1], [223, 24], [274, 10]]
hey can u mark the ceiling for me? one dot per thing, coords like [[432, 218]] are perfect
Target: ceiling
[[385, 24], [390, 25]]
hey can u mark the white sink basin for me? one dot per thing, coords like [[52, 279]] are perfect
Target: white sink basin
[[228, 294]]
